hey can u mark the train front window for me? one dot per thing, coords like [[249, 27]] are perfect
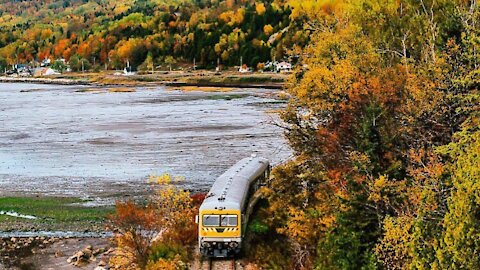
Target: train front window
[[211, 220], [229, 220]]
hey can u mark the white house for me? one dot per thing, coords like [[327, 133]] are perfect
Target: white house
[[244, 69], [284, 67]]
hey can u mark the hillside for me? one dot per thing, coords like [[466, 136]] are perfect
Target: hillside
[[108, 33]]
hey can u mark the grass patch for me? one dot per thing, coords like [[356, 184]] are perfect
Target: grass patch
[[204, 88], [51, 213], [89, 90], [121, 90], [226, 97], [236, 79]]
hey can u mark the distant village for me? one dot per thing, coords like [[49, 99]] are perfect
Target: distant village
[[47, 68], [36, 69]]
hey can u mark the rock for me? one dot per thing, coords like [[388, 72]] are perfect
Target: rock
[[80, 254], [59, 254], [98, 251], [100, 268], [87, 253], [110, 250], [75, 257], [102, 263], [84, 256]]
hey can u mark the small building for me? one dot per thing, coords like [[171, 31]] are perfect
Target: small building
[[45, 71], [22, 70], [45, 62], [284, 67], [244, 69]]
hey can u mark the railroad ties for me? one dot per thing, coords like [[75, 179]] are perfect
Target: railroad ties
[[219, 264]]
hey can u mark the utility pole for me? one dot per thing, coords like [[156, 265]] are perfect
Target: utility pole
[[194, 65], [83, 68], [241, 61], [274, 65]]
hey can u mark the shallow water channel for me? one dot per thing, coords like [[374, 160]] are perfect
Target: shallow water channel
[[98, 143]]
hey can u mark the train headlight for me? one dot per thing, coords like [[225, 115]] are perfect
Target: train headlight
[[233, 244], [206, 244]]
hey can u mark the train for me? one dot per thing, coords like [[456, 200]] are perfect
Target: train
[[223, 215]]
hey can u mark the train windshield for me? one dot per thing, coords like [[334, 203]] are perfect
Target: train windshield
[[228, 220], [211, 220], [223, 220]]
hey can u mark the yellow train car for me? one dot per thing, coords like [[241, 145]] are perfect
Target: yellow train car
[[222, 216]]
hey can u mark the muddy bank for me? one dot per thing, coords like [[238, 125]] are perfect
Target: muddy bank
[[222, 84], [103, 145]]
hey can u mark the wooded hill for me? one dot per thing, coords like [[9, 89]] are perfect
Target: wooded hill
[[147, 31]]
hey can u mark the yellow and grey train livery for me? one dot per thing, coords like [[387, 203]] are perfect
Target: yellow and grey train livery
[[223, 214]]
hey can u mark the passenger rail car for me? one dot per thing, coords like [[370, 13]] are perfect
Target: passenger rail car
[[222, 216]]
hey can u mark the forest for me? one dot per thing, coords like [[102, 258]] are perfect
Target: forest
[[148, 33], [384, 124]]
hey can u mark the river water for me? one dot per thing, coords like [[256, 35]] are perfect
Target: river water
[[94, 143]]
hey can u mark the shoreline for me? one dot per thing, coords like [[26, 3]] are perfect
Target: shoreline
[[226, 85], [171, 79], [43, 80]]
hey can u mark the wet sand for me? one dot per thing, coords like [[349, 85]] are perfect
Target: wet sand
[[103, 145]]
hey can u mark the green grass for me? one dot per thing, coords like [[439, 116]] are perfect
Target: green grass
[[51, 212], [226, 97], [236, 79]]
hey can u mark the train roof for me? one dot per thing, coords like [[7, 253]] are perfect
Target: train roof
[[231, 189]]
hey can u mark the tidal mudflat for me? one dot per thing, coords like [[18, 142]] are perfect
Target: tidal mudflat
[[102, 144]]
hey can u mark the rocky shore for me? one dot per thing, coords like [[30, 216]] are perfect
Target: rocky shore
[[54, 253]]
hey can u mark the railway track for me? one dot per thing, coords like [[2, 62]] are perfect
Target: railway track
[[216, 264]]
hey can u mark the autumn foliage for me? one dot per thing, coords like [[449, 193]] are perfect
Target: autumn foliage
[[383, 122], [109, 33], [156, 235]]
